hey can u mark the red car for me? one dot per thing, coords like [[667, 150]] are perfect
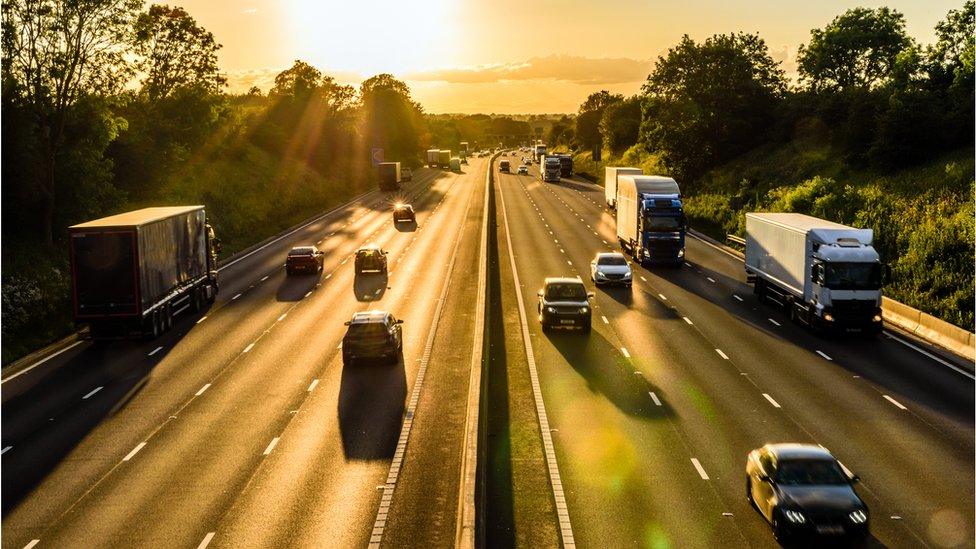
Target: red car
[[304, 259]]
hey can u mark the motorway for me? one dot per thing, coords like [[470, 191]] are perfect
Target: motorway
[[652, 414], [241, 428]]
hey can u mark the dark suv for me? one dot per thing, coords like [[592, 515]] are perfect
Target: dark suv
[[564, 302], [372, 334], [304, 259], [370, 258], [404, 212]]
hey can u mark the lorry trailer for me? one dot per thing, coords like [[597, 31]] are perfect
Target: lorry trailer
[[132, 273], [433, 156], [565, 164], [389, 176], [651, 221], [444, 158], [825, 274], [610, 182]]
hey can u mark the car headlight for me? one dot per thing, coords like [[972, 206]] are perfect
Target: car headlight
[[795, 517], [628, 274], [828, 317], [599, 274], [647, 253], [877, 318], [584, 310], [550, 309], [681, 252], [859, 516]]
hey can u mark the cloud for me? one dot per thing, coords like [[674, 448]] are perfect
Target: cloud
[[566, 68]]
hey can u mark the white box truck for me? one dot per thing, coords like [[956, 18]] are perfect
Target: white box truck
[[433, 157], [651, 221], [827, 275], [610, 182]]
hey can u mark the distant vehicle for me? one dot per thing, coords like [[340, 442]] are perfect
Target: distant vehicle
[[803, 491], [610, 268], [504, 166], [464, 160], [550, 169], [406, 174], [651, 222], [372, 334], [523, 170], [610, 182], [455, 164], [370, 259], [304, 259], [537, 151], [444, 158], [827, 275], [389, 176], [464, 147], [133, 272], [564, 302], [433, 158], [565, 164], [404, 213]]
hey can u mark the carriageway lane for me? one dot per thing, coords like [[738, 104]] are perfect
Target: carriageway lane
[[276, 296], [625, 463], [839, 402]]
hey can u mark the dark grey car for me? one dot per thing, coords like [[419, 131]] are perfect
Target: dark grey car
[[564, 302]]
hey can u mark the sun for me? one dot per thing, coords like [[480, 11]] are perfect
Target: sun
[[373, 36]]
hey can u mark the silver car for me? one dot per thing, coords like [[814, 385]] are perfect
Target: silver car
[[610, 268]]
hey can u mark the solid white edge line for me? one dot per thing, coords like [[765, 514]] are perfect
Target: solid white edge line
[[555, 481], [771, 401], [92, 393], [701, 470], [312, 385], [721, 354], [134, 451], [912, 346], [895, 402], [202, 389], [271, 445], [823, 354], [654, 398], [206, 540], [43, 360]]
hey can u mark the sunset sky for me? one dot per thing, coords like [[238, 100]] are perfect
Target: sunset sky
[[503, 56]]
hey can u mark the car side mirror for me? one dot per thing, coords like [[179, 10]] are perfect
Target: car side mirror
[[539, 293], [590, 294], [347, 323]]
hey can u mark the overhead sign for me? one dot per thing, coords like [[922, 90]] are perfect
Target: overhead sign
[[377, 156]]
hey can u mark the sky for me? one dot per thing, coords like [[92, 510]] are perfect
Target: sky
[[505, 56]]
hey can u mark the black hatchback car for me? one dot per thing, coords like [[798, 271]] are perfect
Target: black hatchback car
[[370, 258], [404, 213], [564, 302], [372, 335], [304, 259], [803, 491]]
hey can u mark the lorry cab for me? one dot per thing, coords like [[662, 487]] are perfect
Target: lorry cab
[[651, 222]]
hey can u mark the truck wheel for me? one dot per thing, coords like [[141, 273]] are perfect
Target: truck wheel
[[167, 318], [156, 328], [197, 302]]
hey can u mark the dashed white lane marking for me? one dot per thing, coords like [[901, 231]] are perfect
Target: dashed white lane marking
[[721, 354], [308, 293], [774, 322], [271, 445], [570, 263], [235, 297], [202, 318], [32, 543], [771, 400], [265, 277], [5, 450], [312, 385], [282, 317], [701, 470], [737, 297], [605, 321], [688, 320], [710, 279], [206, 540], [156, 350], [92, 393], [821, 353], [662, 297], [624, 351], [895, 402], [605, 242], [248, 348], [642, 278], [134, 451], [562, 251], [203, 389], [654, 398]]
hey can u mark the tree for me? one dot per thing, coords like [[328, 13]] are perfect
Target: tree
[[175, 52], [55, 53], [706, 103], [588, 119], [392, 119], [857, 49], [300, 80], [620, 125]]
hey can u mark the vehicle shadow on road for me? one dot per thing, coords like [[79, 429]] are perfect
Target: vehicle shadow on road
[[621, 294], [370, 286], [294, 287], [372, 397], [608, 372], [406, 226], [868, 542], [43, 424]]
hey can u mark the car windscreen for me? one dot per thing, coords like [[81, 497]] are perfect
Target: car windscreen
[[367, 330], [567, 292], [611, 260], [300, 251], [809, 472]]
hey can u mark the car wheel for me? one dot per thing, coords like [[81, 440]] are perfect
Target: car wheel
[[288, 271], [587, 327], [545, 327]]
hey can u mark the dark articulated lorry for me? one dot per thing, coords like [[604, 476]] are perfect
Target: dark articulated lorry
[[132, 273], [389, 176]]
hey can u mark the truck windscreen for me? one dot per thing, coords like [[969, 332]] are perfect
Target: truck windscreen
[[852, 276], [662, 223]]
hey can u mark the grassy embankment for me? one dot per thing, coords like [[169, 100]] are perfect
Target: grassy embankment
[[923, 217]]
